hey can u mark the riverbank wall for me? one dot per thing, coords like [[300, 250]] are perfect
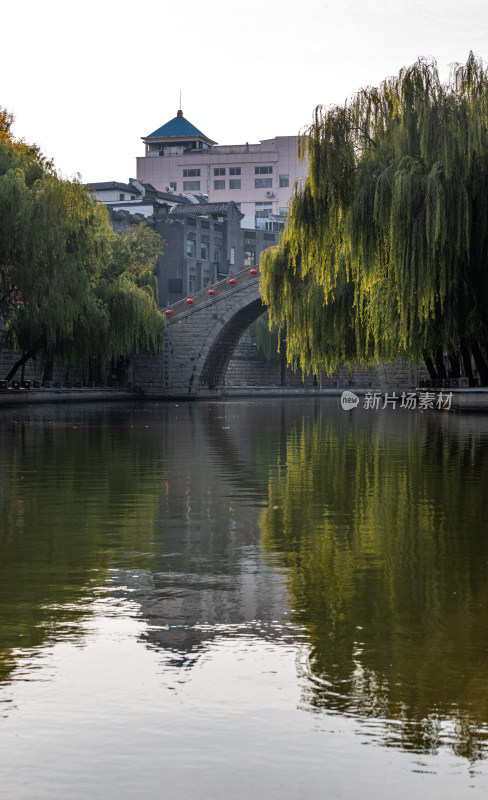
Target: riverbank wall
[[453, 400], [247, 375]]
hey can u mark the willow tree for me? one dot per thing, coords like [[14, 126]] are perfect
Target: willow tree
[[386, 245], [69, 285], [123, 316]]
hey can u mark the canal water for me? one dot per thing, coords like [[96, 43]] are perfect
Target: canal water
[[224, 600]]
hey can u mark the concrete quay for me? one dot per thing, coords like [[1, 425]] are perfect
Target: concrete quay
[[15, 397], [463, 400]]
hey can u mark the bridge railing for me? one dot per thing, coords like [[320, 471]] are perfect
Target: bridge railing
[[218, 289]]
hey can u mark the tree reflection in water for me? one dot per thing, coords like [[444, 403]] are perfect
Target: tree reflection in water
[[76, 494], [382, 527]]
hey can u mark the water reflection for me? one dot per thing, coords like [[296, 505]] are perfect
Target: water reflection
[[382, 525], [357, 540], [75, 492]]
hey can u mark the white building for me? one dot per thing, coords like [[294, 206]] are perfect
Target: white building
[[259, 178], [116, 192], [135, 197]]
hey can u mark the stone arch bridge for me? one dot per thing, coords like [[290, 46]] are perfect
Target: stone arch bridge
[[202, 335]]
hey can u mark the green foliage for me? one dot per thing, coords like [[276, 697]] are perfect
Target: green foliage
[[267, 339], [69, 285], [385, 250]]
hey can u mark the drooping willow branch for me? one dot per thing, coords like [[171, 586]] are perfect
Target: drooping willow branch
[[386, 245]]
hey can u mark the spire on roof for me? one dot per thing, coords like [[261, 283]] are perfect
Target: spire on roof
[[180, 113]]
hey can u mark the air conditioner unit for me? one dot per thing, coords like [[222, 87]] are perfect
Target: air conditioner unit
[[269, 194]]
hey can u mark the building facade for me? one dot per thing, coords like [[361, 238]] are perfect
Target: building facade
[[258, 178], [202, 244]]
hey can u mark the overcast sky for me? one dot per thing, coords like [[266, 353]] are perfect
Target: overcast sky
[[85, 81]]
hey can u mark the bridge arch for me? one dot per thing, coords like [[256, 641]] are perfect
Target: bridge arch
[[225, 341], [200, 338]]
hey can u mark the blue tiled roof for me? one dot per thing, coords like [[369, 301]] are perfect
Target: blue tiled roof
[[180, 127]]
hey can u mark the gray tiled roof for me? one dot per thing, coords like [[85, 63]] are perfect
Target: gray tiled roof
[[106, 185], [197, 209], [174, 198]]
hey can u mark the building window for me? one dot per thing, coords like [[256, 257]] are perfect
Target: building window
[[263, 183], [121, 196], [249, 258], [219, 170], [192, 284], [191, 186], [191, 249], [204, 250], [263, 170], [219, 185], [271, 225], [284, 181], [232, 254], [283, 212], [175, 285], [263, 210], [218, 253], [206, 281], [173, 186], [191, 173], [235, 183], [234, 170]]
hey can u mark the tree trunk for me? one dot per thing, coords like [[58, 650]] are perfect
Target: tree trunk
[[466, 358], [430, 367], [48, 371], [20, 363], [121, 370], [282, 359], [440, 366], [91, 370], [454, 364], [282, 370], [95, 377], [480, 362]]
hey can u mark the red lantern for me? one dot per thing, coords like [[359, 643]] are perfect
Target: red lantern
[[232, 281], [253, 271], [211, 291], [190, 300], [168, 312]]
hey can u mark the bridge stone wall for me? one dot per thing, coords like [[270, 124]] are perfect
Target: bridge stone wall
[[248, 368], [200, 341]]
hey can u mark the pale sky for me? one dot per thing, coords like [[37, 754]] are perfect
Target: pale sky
[[85, 81]]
